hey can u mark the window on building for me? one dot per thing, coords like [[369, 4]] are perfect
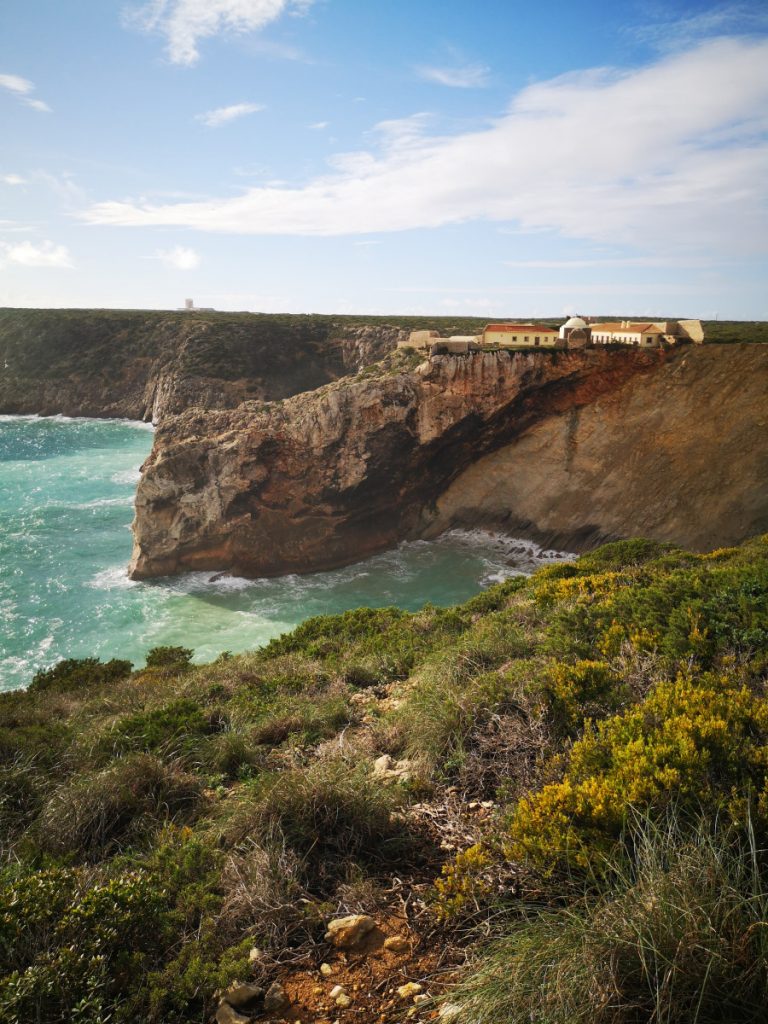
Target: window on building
[[526, 339], [536, 340]]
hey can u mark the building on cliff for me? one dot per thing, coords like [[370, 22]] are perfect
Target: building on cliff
[[650, 334], [520, 335]]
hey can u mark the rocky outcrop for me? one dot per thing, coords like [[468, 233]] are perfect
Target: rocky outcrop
[[326, 478], [147, 365]]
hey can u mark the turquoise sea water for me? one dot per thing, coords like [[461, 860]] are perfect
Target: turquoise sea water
[[66, 495]]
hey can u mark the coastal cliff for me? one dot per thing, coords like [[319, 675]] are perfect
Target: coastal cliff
[[569, 448], [146, 365]]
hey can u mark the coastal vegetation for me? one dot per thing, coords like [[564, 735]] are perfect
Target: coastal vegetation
[[563, 783]]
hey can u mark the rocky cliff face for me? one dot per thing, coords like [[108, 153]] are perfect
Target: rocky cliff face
[[680, 454], [329, 477], [148, 365]]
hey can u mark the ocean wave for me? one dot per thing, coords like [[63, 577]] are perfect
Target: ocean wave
[[61, 418]]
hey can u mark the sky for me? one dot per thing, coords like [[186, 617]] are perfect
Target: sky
[[453, 157]]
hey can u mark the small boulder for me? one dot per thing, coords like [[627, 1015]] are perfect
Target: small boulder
[[276, 1000], [241, 996], [397, 944], [410, 989], [227, 1014], [347, 932]]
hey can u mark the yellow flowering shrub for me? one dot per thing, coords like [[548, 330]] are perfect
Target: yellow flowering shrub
[[581, 690], [462, 880], [695, 740]]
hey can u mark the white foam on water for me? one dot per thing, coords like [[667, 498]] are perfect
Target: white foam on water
[[126, 499], [127, 476], [114, 578]]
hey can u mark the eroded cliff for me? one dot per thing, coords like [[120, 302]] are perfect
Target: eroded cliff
[[326, 478], [147, 364]]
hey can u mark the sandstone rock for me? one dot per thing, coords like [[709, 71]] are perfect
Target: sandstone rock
[[326, 970], [347, 932], [343, 1001], [410, 989], [397, 944], [227, 1014], [242, 996], [276, 1000]]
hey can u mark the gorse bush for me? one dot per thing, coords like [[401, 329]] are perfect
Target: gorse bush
[[700, 741]]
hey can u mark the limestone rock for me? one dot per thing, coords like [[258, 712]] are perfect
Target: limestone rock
[[227, 1014], [326, 970], [410, 989], [343, 1001], [347, 932], [568, 448], [397, 944], [242, 996], [386, 769], [276, 1000]]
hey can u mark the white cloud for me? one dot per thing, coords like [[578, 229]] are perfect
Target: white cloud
[[27, 254], [179, 257], [21, 87], [668, 156], [318, 126], [466, 76], [12, 179], [15, 83], [222, 115], [38, 105], [185, 22]]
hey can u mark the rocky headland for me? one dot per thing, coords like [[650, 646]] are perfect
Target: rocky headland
[[570, 448]]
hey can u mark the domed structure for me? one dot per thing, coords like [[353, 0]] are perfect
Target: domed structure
[[575, 323]]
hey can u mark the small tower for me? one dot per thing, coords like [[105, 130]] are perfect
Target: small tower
[[189, 304]]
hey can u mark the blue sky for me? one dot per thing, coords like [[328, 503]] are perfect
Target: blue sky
[[416, 156]]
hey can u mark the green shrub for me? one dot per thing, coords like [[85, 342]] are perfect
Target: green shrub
[[77, 948], [76, 673], [175, 659]]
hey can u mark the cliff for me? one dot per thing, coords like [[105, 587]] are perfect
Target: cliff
[[147, 365], [569, 448]]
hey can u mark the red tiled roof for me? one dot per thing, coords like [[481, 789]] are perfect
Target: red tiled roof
[[520, 327]]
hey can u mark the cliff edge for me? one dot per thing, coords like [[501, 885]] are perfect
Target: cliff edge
[[569, 448]]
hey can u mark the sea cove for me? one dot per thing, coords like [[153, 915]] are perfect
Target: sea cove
[[66, 495]]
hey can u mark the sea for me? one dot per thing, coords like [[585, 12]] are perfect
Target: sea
[[66, 504]]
